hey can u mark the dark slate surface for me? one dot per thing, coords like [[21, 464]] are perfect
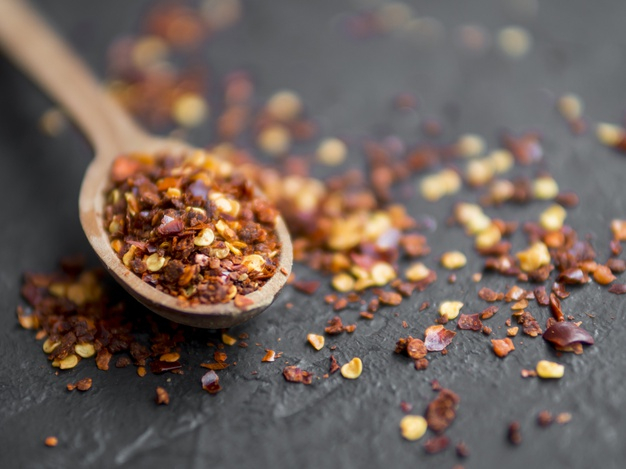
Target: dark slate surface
[[261, 420]]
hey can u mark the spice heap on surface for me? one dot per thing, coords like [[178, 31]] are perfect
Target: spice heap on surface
[[192, 227]]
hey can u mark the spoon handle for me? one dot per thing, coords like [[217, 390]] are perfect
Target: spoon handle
[[49, 61]]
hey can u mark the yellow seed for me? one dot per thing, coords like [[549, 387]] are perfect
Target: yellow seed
[[343, 282], [254, 262], [570, 106], [450, 309], [534, 257], [479, 172], [502, 160], [77, 294], [227, 339], [204, 238], [316, 341], [130, 255], [173, 193], [382, 273], [148, 50], [284, 105], [465, 212], [190, 110], [352, 369], [470, 145], [170, 357], [154, 262], [363, 283], [85, 350], [49, 345], [477, 224], [58, 289], [549, 370], [618, 228], [450, 180], [68, 362], [453, 260], [274, 140], [416, 272], [332, 152], [220, 253], [488, 237], [501, 190], [609, 134], [141, 371], [117, 245], [514, 41], [431, 188], [413, 427], [553, 217], [512, 331], [377, 224], [545, 188]]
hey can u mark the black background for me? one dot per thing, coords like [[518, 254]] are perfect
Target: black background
[[261, 420]]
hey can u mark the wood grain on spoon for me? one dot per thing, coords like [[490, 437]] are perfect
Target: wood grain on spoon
[[49, 62]]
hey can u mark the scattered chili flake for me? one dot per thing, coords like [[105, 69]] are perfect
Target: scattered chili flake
[[51, 441], [366, 315], [390, 298], [489, 312], [122, 362], [334, 366], [294, 374], [441, 411], [462, 450], [469, 322], [486, 330], [406, 407], [617, 266], [617, 288], [416, 349], [541, 296], [421, 364], [211, 382], [162, 397], [84, 384], [158, 366], [436, 444], [528, 373], [563, 418], [567, 337], [424, 305], [307, 286], [488, 294], [438, 338], [514, 433], [603, 275], [545, 418], [340, 304], [555, 307], [502, 347], [269, 356], [335, 326]]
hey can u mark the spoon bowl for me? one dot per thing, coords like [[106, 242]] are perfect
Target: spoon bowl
[[48, 61]]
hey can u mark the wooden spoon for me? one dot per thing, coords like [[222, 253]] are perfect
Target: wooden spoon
[[48, 61]]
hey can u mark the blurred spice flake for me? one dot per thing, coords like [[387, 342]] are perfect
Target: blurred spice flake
[[352, 225]]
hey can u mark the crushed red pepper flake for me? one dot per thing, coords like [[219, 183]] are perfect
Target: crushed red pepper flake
[[334, 366], [270, 356], [502, 347], [441, 411], [462, 450], [488, 294], [488, 312], [424, 305], [567, 337], [617, 288], [211, 382], [437, 338], [162, 396], [436, 444], [555, 307], [294, 374], [545, 418], [514, 433], [307, 286], [469, 322]]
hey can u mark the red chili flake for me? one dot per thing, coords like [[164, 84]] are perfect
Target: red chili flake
[[390, 298], [544, 418], [567, 199], [341, 303], [270, 356], [405, 325], [350, 328], [603, 275], [416, 349], [162, 397], [441, 411], [489, 312], [514, 433], [84, 384], [424, 283], [294, 374], [573, 276], [469, 322], [307, 286], [438, 338], [452, 278], [567, 337], [404, 288], [158, 366], [502, 347], [415, 245], [406, 407], [488, 294], [555, 307], [528, 373], [424, 305], [617, 288], [617, 266], [530, 326], [122, 362], [211, 382], [215, 366], [436, 444], [366, 315], [435, 385], [542, 296], [242, 302], [103, 358], [559, 290], [421, 364], [335, 326], [462, 450], [373, 305], [514, 294], [486, 330]]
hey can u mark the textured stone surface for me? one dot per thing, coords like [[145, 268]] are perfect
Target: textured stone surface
[[260, 420]]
